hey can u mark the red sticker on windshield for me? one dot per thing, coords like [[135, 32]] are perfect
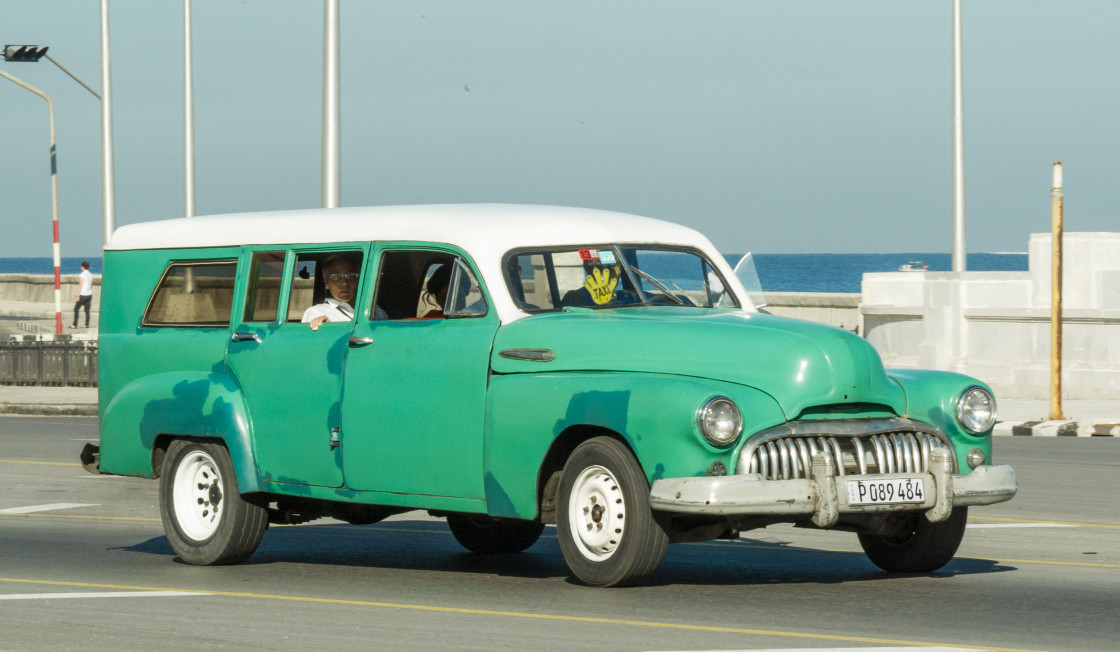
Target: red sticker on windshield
[[589, 254]]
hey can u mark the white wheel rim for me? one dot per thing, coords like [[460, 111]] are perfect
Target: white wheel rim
[[197, 495], [597, 513]]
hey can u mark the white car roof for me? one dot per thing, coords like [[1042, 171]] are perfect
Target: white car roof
[[484, 231]]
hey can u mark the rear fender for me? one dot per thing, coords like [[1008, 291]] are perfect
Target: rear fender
[[188, 404]]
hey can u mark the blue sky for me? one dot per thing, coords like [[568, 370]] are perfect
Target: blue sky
[[778, 126]]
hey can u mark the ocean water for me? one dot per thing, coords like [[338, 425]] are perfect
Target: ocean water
[[776, 272], [46, 265], [843, 272]]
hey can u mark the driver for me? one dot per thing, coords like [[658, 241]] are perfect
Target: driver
[[340, 275]]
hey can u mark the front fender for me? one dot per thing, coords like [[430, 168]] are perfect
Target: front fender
[[655, 414], [195, 404], [931, 397]]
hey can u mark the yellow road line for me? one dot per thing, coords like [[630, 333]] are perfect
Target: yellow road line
[[527, 615], [1043, 562]]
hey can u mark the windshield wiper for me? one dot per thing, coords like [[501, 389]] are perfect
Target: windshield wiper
[[659, 285]]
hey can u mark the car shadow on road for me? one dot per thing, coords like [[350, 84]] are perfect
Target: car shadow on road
[[429, 546]]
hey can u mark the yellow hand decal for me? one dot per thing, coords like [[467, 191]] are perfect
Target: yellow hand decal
[[601, 285]]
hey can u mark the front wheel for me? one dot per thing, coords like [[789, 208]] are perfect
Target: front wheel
[[920, 547], [606, 530], [206, 520], [488, 535]]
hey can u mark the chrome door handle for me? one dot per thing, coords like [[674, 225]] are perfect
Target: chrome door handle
[[245, 337], [359, 342]]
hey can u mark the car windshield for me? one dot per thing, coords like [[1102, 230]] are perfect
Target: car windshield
[[614, 276]]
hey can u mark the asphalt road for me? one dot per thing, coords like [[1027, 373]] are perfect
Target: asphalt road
[[84, 565]]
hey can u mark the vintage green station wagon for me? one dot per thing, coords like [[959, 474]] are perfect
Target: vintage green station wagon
[[508, 367]]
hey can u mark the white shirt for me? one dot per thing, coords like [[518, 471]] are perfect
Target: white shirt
[[86, 280], [332, 309]]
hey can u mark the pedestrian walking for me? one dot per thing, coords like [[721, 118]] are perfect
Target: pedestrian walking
[[85, 293]]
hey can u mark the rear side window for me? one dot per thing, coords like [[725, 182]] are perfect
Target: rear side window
[[194, 294]]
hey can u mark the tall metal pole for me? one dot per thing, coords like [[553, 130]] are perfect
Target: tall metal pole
[[188, 114], [960, 262], [108, 199], [54, 204], [332, 144], [1056, 227]]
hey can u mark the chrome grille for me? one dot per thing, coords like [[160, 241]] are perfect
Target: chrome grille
[[790, 457]]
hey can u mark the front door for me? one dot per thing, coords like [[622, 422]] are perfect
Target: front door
[[415, 388], [291, 375]]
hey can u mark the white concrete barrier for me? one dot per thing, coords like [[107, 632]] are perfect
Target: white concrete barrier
[[834, 308], [996, 325], [39, 288]]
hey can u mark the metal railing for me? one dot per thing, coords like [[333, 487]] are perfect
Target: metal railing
[[53, 363]]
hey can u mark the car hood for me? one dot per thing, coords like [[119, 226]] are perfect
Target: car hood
[[800, 364]]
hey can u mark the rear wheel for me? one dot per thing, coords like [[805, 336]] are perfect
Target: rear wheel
[[921, 546], [206, 520], [488, 535], [606, 529]]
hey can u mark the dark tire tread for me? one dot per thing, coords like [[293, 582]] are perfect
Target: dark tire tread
[[924, 548], [242, 526], [488, 535], [644, 544]]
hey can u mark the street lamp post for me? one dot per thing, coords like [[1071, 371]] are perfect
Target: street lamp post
[[332, 138], [54, 199], [31, 54], [960, 255]]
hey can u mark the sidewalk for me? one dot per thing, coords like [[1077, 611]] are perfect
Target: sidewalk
[[26, 319], [1020, 418], [36, 400]]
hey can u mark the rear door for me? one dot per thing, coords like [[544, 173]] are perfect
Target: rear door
[[415, 389]]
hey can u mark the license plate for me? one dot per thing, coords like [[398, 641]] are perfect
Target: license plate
[[894, 491]]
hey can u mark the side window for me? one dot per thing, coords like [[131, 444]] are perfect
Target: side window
[[425, 284], [262, 297], [324, 278], [194, 294], [532, 281], [302, 295], [464, 298]]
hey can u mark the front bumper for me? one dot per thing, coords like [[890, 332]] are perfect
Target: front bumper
[[824, 496]]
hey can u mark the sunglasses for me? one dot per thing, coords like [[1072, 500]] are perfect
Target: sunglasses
[[335, 278]]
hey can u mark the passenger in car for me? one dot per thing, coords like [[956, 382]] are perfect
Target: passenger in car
[[435, 292], [340, 276]]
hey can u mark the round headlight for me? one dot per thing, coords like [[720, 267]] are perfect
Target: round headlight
[[976, 410], [720, 421]]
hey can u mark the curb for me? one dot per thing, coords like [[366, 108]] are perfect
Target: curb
[[1056, 429], [47, 410]]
